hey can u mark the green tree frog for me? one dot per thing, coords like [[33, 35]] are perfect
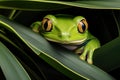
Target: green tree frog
[[71, 32]]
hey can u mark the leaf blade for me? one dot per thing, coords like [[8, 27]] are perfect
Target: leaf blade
[[63, 58], [12, 69], [43, 5]]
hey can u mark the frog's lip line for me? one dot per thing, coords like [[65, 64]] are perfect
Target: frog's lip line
[[68, 42]]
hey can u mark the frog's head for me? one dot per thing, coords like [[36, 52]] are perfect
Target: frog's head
[[64, 29]]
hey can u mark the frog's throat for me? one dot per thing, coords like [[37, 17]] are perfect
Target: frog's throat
[[76, 42]]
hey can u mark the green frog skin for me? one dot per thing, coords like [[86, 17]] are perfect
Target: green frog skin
[[71, 32]]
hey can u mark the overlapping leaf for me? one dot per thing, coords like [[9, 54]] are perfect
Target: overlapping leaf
[[63, 60], [10, 65], [53, 5]]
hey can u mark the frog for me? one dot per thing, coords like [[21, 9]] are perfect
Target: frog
[[69, 31]]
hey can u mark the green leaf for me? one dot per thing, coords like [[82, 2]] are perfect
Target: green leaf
[[107, 57], [27, 61], [53, 5], [10, 66], [63, 60], [96, 4], [31, 5]]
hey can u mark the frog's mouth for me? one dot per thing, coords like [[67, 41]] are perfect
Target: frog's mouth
[[74, 42]]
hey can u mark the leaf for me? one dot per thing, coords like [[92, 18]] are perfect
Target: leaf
[[42, 5], [27, 61], [63, 60], [11, 68], [31, 5], [107, 57], [96, 4]]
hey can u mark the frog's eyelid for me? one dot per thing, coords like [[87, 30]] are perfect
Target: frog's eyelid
[[52, 18]]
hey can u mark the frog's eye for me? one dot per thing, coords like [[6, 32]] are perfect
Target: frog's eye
[[47, 25], [82, 26]]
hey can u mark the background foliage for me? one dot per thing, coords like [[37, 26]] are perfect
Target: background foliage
[[20, 46]]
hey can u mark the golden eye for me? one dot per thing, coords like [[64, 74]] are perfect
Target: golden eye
[[82, 26], [47, 25]]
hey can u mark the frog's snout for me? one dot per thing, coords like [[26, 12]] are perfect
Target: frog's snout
[[64, 36]]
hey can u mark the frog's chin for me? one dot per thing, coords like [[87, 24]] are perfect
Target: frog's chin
[[74, 42]]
